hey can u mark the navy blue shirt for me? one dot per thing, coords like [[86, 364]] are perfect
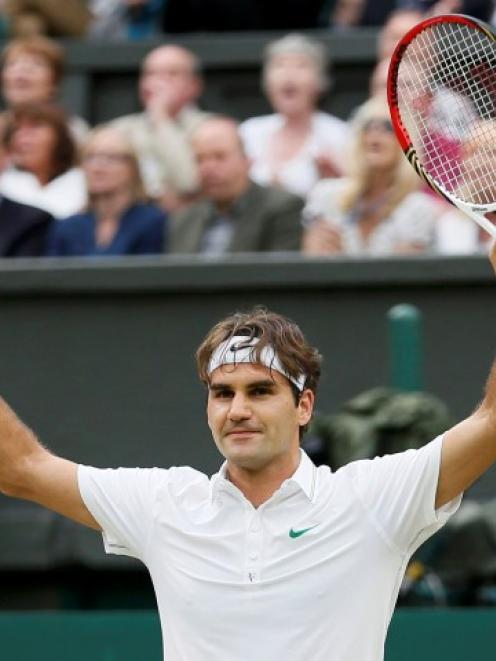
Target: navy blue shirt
[[142, 231]]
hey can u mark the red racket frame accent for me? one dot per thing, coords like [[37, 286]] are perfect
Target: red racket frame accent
[[392, 93]]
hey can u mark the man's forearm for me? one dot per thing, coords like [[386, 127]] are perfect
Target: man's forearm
[[488, 404], [469, 448], [18, 446]]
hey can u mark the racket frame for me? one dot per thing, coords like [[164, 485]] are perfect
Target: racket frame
[[474, 211]]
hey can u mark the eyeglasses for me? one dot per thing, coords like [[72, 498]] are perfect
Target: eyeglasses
[[105, 157], [379, 124]]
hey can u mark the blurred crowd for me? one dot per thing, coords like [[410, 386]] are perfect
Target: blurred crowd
[[175, 178], [142, 19]]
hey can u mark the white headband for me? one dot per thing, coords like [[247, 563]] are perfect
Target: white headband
[[239, 349]]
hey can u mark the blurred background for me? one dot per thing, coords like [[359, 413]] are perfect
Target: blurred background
[[117, 254]]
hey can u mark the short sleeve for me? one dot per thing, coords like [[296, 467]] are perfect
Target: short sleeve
[[123, 503], [398, 491]]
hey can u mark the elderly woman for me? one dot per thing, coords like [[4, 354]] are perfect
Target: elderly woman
[[297, 144], [31, 72], [43, 159], [118, 221], [378, 209]]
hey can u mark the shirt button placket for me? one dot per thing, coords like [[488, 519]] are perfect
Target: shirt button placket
[[254, 548]]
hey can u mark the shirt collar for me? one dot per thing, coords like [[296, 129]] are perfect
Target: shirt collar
[[305, 477]]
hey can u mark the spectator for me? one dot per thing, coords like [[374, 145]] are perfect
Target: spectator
[[43, 156], [481, 9], [378, 79], [236, 214], [32, 71], [345, 14], [396, 26], [23, 229], [457, 234], [118, 221], [125, 19], [169, 86], [298, 144], [378, 209], [27, 18]]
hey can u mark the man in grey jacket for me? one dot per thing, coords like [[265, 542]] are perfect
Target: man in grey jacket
[[235, 214]]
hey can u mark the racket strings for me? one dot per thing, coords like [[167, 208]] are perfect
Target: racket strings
[[446, 87]]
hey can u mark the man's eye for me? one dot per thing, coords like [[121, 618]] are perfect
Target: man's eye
[[261, 391], [222, 394]]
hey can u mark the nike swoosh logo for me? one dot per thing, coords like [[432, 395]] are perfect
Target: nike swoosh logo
[[298, 533]]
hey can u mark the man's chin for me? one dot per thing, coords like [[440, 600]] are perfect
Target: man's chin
[[246, 458]]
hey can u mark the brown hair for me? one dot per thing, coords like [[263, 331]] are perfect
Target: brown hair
[[49, 50], [65, 154], [294, 352]]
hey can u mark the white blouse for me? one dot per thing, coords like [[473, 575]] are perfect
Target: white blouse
[[329, 136], [413, 221], [63, 196]]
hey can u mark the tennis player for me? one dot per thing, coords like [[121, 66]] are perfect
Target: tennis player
[[271, 558]]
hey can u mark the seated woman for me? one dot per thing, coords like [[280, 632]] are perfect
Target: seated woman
[[297, 144], [117, 221], [32, 70], [43, 168], [379, 208]]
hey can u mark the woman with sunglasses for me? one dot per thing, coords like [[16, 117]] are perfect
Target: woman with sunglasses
[[118, 220], [378, 209]]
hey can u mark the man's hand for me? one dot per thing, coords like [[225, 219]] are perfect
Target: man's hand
[[158, 107]]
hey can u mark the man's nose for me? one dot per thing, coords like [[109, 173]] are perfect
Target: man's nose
[[239, 409]]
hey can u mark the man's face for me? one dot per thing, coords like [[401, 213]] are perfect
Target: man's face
[[168, 74], [253, 416], [222, 165]]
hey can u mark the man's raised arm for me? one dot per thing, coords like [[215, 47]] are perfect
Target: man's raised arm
[[30, 471], [469, 448]]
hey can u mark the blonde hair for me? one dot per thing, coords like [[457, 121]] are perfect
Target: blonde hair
[[404, 178], [138, 187]]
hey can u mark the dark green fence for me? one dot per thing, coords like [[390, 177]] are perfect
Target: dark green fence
[[415, 635], [98, 357]]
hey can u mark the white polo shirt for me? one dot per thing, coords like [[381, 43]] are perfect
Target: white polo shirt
[[313, 573]]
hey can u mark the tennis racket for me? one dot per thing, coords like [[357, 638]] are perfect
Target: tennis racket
[[442, 98]]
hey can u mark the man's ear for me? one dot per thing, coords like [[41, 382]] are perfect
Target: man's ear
[[305, 406]]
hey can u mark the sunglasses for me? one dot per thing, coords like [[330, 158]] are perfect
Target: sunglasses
[[379, 124]]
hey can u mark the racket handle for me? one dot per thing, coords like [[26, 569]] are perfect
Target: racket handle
[[405, 347]]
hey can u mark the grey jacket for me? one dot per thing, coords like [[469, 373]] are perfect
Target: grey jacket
[[265, 218]]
